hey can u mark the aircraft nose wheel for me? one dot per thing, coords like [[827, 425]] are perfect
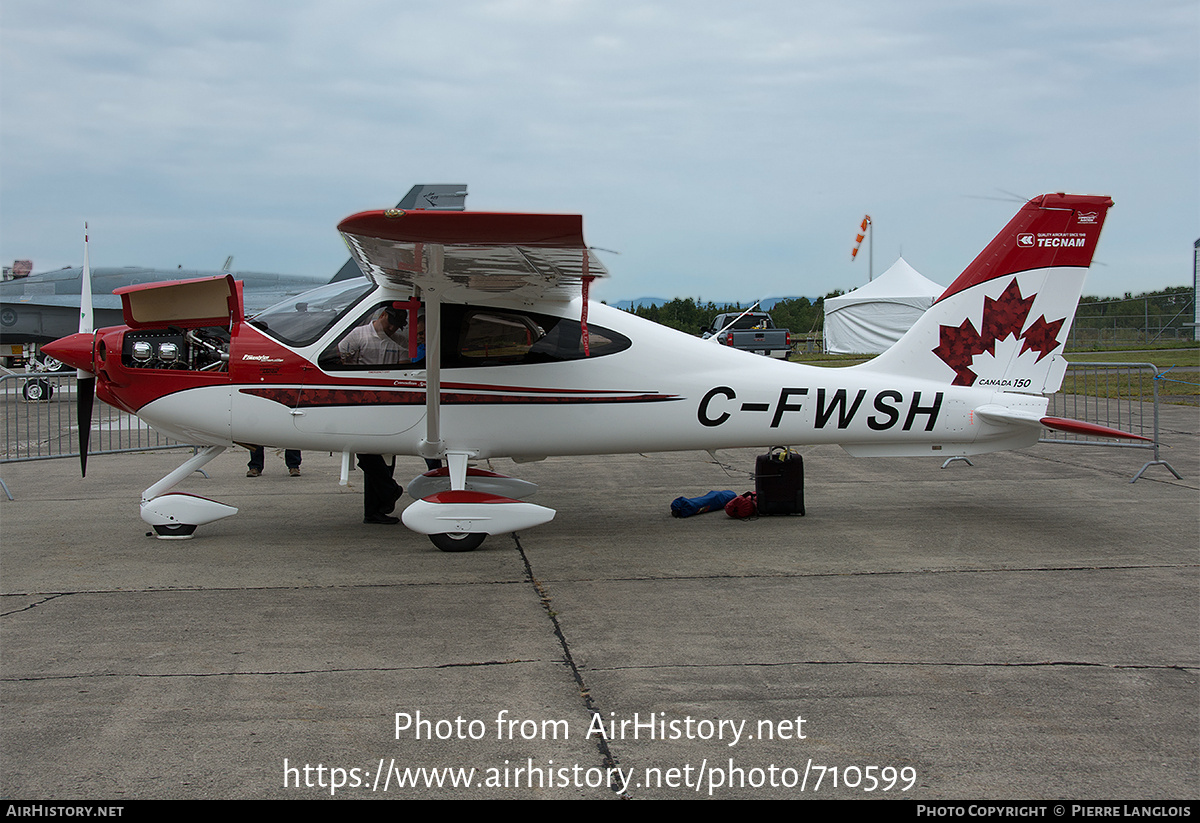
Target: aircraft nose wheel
[[458, 541], [35, 391], [175, 531]]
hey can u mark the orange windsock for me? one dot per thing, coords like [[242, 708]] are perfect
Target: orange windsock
[[866, 223]]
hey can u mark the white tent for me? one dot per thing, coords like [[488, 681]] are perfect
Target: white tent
[[872, 318]]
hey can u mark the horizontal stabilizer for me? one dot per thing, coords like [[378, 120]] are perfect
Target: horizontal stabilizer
[[1002, 415], [1063, 424]]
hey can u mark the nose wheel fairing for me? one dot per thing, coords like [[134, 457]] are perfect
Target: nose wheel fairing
[[176, 516]]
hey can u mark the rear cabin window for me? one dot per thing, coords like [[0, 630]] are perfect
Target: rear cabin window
[[500, 337]]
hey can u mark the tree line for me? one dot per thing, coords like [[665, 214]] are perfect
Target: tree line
[[800, 315], [1167, 308]]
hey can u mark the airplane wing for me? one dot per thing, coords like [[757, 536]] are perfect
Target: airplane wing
[[461, 256]]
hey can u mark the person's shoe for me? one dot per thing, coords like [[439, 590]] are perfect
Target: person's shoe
[[294, 472], [253, 472], [381, 519], [391, 507]]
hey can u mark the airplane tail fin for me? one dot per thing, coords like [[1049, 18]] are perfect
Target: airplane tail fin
[[1003, 322]]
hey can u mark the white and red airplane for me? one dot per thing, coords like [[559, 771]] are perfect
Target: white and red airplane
[[520, 364]]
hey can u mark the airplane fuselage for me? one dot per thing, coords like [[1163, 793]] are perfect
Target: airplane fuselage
[[666, 391]]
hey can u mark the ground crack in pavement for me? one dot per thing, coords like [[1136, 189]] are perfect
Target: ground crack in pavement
[[606, 755], [36, 603]]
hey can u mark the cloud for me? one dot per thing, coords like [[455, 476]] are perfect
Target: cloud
[[728, 150]]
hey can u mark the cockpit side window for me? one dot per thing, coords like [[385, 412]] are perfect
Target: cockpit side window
[[476, 336], [378, 339]]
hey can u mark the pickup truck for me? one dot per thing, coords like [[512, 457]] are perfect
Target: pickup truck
[[752, 332]]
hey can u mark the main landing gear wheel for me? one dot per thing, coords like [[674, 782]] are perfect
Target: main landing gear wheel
[[458, 541], [35, 391]]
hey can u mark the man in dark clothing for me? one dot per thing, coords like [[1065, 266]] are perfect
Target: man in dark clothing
[[380, 489], [378, 343]]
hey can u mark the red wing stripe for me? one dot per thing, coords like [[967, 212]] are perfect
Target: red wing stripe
[[419, 385], [316, 398]]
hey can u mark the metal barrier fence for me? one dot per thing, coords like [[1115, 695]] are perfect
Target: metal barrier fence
[[39, 421], [1118, 395]]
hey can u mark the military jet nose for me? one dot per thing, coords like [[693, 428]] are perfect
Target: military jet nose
[[75, 350]]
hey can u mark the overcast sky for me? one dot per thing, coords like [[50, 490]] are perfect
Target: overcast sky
[[727, 151]]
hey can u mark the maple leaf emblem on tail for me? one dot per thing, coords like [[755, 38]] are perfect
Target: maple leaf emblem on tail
[[1042, 336], [1002, 317]]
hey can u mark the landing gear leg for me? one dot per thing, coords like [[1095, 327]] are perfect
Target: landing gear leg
[[458, 541], [176, 516]]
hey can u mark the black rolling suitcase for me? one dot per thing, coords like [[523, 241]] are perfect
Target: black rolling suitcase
[[779, 482]]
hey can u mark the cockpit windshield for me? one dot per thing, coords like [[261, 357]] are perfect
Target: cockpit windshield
[[301, 320]]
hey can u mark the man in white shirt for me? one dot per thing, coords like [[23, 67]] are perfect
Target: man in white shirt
[[378, 343]]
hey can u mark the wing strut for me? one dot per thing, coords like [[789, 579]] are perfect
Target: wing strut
[[432, 447], [586, 281]]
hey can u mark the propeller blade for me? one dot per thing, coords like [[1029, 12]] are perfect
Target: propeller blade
[[85, 396], [85, 291], [85, 381]]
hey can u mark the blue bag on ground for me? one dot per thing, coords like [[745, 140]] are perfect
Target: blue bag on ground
[[713, 501]]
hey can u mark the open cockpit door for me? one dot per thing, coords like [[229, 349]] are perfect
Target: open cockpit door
[[205, 301]]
